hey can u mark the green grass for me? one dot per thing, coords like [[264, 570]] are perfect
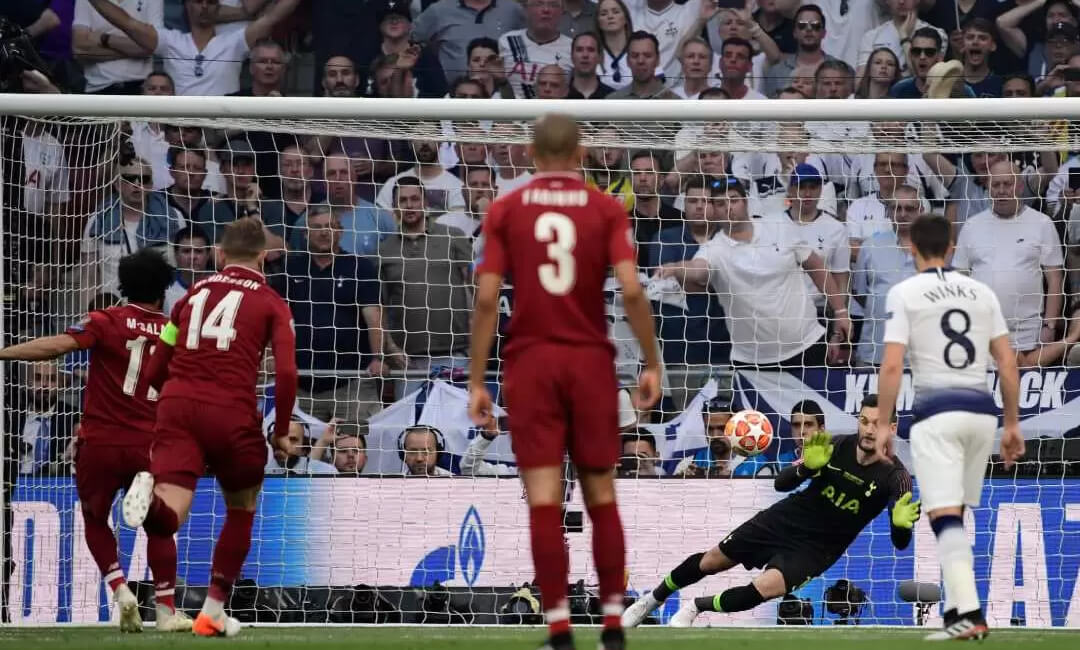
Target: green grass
[[327, 638]]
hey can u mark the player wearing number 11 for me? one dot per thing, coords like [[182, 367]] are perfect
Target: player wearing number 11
[[949, 325], [557, 238], [117, 425], [211, 351]]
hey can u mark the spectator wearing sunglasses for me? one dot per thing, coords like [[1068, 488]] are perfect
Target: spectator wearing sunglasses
[[925, 50], [133, 218], [206, 60], [809, 35]]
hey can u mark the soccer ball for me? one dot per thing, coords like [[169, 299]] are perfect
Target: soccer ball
[[749, 432]]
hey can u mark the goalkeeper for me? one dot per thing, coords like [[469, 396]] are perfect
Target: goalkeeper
[[801, 536]]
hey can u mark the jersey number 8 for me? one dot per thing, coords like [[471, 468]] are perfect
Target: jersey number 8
[[957, 338], [559, 232]]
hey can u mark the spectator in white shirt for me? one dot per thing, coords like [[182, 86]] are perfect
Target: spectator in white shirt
[[698, 73], [896, 34], [113, 64], [735, 23], [1016, 251], [669, 21], [756, 269], [866, 215], [472, 461], [614, 27], [442, 190], [525, 51], [203, 61], [823, 234]]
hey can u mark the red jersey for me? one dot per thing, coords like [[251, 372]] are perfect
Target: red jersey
[[556, 238], [120, 404], [222, 327]]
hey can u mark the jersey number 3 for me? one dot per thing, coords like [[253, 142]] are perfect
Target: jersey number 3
[[558, 231], [218, 324]]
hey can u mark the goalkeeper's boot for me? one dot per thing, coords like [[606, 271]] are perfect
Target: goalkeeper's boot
[[635, 614], [206, 625], [130, 620], [685, 616], [967, 627], [137, 499], [612, 639], [173, 621], [561, 641]]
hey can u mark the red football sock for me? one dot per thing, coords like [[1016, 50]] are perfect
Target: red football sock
[[552, 565], [161, 556], [102, 544], [161, 520], [229, 552], [609, 556]]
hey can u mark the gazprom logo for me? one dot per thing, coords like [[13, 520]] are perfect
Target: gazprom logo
[[471, 546], [442, 564]]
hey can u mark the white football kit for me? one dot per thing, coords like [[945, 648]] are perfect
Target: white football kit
[[947, 320]]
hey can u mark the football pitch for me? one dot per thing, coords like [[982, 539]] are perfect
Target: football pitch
[[358, 638]]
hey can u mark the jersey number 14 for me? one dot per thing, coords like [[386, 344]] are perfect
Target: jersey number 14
[[218, 324]]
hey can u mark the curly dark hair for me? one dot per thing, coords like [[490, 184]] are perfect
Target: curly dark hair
[[144, 276]]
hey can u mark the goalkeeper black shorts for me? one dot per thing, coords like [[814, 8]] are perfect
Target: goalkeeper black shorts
[[756, 545]]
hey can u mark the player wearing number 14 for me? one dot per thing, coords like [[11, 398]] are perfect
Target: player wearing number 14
[[117, 425], [211, 351]]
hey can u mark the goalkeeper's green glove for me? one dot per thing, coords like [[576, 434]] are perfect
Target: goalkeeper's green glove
[[817, 451], [905, 512]]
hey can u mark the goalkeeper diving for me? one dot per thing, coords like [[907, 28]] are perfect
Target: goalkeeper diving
[[802, 535]]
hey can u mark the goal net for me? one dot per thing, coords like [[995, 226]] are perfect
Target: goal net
[[400, 511]]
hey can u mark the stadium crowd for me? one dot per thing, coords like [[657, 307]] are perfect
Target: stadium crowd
[[374, 239]]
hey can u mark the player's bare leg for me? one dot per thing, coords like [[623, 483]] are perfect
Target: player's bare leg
[[102, 544], [544, 493], [232, 547], [963, 613], [768, 585], [692, 570], [609, 551]]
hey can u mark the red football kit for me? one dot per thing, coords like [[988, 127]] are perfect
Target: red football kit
[[556, 239]]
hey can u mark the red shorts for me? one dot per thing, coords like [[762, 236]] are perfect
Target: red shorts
[[560, 399], [193, 436], [103, 470]]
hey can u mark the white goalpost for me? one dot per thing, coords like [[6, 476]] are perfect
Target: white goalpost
[[360, 529]]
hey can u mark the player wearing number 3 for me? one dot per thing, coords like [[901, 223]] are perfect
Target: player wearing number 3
[[949, 325], [207, 418], [117, 425], [557, 238]]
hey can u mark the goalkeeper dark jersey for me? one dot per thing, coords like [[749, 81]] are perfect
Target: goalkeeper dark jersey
[[841, 499]]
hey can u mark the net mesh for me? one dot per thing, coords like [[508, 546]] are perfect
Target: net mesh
[[366, 526]]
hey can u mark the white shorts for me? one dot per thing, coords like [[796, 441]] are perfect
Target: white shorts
[[950, 451]]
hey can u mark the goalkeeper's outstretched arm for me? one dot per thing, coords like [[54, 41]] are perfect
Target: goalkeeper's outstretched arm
[[791, 477], [904, 512]]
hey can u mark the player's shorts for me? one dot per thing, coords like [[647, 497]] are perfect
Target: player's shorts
[[950, 451], [756, 545], [103, 470], [193, 437], [563, 398]]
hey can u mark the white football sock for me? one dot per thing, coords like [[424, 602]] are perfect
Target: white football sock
[[958, 570], [213, 608]]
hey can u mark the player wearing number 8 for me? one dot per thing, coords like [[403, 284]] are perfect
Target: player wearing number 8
[[950, 325], [557, 239], [211, 351], [117, 424]]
